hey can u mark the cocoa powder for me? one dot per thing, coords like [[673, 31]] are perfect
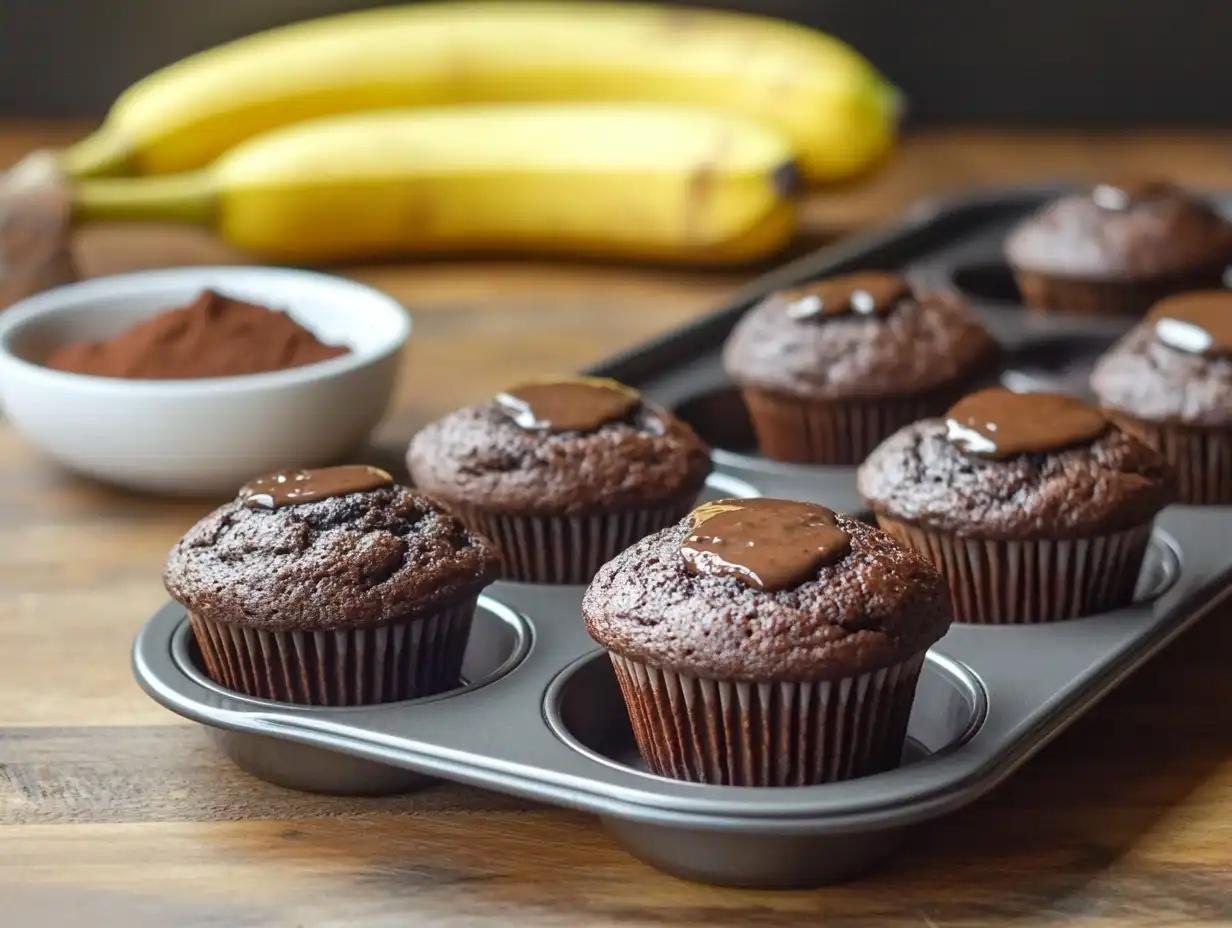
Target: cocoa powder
[[214, 336]]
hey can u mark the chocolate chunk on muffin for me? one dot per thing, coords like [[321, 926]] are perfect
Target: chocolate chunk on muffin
[[1170, 378], [561, 474], [830, 369], [1118, 248], [331, 587], [765, 642], [1034, 506]]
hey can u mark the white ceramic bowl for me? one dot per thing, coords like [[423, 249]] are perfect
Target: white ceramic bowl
[[201, 437]]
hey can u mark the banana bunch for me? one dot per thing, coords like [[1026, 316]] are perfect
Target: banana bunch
[[614, 129], [622, 180]]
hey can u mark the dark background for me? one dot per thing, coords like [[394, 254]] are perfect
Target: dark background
[[1089, 63]]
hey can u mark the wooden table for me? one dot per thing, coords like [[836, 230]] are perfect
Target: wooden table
[[115, 812]]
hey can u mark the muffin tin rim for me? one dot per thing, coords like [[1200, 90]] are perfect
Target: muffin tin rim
[[954, 670], [730, 485], [524, 639], [997, 765], [730, 458], [954, 779], [639, 802], [525, 631]]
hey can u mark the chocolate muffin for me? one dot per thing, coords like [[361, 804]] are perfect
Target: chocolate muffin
[[1034, 506], [1170, 378], [830, 369], [765, 642], [331, 587], [1118, 248], [561, 474]]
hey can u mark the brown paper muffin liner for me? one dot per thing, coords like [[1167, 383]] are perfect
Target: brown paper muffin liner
[[350, 667], [1119, 298], [996, 582], [1201, 459], [833, 432], [768, 734], [566, 549]]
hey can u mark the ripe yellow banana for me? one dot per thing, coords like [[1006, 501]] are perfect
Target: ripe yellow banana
[[618, 180], [836, 110]]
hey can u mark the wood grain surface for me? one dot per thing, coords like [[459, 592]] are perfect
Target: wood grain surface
[[115, 812]]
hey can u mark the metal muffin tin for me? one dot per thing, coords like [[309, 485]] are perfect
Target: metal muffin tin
[[540, 714]]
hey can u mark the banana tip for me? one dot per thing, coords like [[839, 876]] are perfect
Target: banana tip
[[787, 179], [896, 104]]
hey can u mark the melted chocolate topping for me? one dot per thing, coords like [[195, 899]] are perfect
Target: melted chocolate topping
[[997, 423], [292, 487], [578, 404], [1195, 323], [868, 293], [768, 544]]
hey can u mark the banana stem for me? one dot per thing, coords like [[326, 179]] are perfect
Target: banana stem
[[187, 198], [102, 153]]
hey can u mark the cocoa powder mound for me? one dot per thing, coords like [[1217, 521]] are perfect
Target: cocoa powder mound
[[214, 336]]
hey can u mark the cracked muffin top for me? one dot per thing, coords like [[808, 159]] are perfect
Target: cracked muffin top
[[858, 336], [327, 549], [571, 447], [1175, 365], [869, 604], [1017, 466], [1130, 230]]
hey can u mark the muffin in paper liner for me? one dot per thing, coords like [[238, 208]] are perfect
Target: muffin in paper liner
[[1029, 581], [346, 667], [1117, 247], [1200, 457], [331, 587], [829, 369], [728, 733], [1109, 297], [834, 432], [565, 549], [1034, 507], [1176, 395], [561, 474], [768, 642]]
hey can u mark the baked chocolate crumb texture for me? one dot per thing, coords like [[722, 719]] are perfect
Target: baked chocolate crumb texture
[[830, 369], [1034, 506], [1118, 247], [766, 642], [331, 587], [1170, 379], [561, 474]]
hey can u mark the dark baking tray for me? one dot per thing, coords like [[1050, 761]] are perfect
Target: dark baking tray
[[539, 713]]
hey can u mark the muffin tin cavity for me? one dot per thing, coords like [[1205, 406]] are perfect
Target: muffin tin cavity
[[539, 713], [1161, 568], [719, 416], [1054, 365], [500, 638], [989, 282], [584, 708], [725, 486]]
